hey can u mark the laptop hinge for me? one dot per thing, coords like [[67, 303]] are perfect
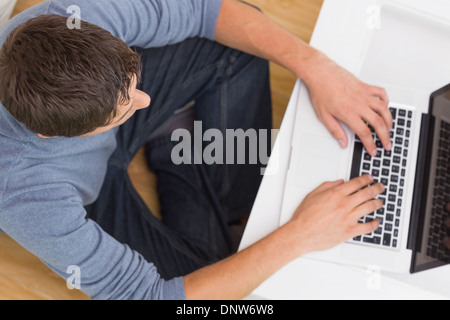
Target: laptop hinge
[[421, 183]]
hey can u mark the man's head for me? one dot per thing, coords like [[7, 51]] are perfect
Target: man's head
[[68, 82]]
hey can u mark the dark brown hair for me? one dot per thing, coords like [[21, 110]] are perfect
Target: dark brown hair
[[65, 82]]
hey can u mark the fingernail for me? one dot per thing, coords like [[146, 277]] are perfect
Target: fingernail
[[389, 147], [342, 143], [374, 153]]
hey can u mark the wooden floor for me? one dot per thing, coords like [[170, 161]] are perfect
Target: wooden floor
[[24, 277]]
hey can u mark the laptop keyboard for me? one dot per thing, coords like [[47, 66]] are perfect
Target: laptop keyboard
[[389, 168], [438, 230]]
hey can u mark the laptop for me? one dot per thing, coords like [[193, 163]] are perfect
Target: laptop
[[431, 180], [416, 172]]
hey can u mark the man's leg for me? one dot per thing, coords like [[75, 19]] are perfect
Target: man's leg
[[194, 231], [240, 100]]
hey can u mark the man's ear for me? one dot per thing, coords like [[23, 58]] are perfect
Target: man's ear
[[44, 137]]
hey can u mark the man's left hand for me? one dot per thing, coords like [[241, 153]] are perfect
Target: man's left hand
[[338, 95]]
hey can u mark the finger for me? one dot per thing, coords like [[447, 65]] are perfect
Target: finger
[[380, 93], [366, 208], [336, 130], [355, 184], [365, 195], [365, 228], [382, 104], [383, 110], [365, 135], [379, 124]]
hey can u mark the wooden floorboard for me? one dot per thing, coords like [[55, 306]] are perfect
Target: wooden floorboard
[[23, 276]]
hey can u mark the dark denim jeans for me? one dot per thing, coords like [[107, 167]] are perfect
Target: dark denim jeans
[[199, 202]]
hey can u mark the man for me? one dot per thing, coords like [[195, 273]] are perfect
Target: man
[[75, 110]]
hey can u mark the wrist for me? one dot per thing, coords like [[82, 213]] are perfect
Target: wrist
[[310, 65], [292, 241]]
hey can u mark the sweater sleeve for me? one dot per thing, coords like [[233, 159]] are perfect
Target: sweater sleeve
[[146, 23], [54, 228]]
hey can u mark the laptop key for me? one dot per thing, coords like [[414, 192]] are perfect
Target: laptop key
[[376, 163], [387, 239], [374, 240], [394, 113], [357, 153], [378, 144], [375, 173]]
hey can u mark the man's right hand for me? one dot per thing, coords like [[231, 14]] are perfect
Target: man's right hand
[[329, 215]]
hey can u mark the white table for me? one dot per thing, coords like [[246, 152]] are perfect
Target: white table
[[340, 31]]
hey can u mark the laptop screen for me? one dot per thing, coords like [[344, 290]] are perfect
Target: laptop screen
[[433, 222]]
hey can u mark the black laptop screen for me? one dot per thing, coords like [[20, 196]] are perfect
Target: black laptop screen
[[432, 248]]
